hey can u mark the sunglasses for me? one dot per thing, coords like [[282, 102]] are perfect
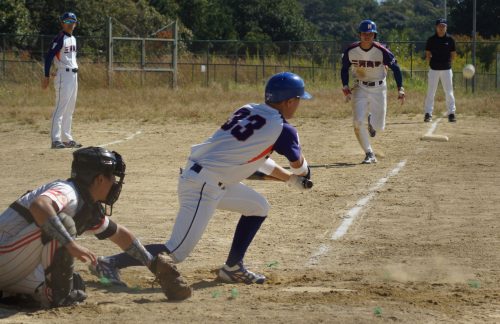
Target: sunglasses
[[69, 21]]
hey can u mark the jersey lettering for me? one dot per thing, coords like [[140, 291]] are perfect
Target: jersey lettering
[[242, 133]]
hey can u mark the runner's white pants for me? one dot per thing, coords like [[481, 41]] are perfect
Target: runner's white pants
[[446, 77], [368, 100], [199, 196], [66, 85]]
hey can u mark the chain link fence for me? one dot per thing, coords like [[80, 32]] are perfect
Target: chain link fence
[[223, 61]]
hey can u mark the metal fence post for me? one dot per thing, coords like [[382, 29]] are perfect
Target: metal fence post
[[263, 61], [174, 55], [110, 52], [497, 79], [4, 49], [236, 64], [208, 61], [411, 60], [143, 59], [289, 55]]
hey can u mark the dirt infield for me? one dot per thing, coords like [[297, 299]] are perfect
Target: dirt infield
[[424, 248]]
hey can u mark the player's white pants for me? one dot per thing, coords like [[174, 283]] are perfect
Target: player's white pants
[[23, 259], [199, 196], [66, 85], [368, 100], [446, 77]]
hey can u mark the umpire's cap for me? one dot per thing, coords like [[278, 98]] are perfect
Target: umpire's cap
[[441, 21], [68, 17], [367, 26], [284, 86]]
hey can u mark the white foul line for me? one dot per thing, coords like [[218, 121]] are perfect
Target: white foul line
[[131, 136], [433, 127], [353, 213]]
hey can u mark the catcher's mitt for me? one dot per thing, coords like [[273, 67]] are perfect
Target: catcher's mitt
[[171, 281]]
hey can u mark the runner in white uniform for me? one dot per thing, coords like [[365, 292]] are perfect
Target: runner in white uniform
[[37, 231], [63, 49], [369, 61], [211, 178]]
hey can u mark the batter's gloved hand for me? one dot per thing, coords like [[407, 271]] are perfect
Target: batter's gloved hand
[[173, 285], [401, 94], [299, 182], [347, 93]]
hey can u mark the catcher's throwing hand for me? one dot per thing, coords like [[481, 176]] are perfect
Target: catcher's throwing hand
[[347, 93], [173, 285], [401, 95]]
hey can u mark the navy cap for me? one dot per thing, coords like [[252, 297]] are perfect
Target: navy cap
[[68, 16], [441, 21]]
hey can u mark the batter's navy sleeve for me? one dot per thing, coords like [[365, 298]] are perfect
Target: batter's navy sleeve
[[56, 46], [391, 62], [287, 143]]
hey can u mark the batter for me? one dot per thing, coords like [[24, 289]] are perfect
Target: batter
[[214, 169]]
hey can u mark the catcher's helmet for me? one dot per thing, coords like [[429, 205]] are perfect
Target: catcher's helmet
[[89, 162], [68, 16], [285, 85], [367, 26]]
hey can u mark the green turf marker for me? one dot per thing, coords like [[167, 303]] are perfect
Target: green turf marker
[[272, 264], [474, 283], [377, 311], [104, 281], [215, 294], [234, 293]]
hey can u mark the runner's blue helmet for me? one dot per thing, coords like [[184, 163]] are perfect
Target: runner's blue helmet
[[68, 16], [367, 26], [284, 86]]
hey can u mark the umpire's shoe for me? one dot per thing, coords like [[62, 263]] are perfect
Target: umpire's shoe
[[239, 274], [369, 158], [427, 118], [451, 118]]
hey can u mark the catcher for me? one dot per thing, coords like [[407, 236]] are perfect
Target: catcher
[[38, 231]]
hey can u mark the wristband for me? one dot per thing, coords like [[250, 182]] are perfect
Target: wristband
[[302, 170]]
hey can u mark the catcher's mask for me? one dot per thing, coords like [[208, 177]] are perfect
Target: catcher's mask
[[91, 161]]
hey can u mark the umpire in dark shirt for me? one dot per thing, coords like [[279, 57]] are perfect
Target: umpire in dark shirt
[[440, 52]]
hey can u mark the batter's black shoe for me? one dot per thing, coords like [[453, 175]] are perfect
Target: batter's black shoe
[[72, 144], [371, 130], [428, 118], [451, 118], [57, 145], [369, 158]]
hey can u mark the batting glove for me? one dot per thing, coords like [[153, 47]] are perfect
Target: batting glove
[[401, 94], [299, 182], [347, 93]]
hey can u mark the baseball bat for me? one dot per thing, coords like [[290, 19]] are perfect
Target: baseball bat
[[257, 175]]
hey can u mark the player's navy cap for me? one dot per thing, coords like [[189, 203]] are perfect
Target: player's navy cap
[[441, 21], [68, 16]]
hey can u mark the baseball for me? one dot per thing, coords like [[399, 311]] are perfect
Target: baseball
[[468, 71]]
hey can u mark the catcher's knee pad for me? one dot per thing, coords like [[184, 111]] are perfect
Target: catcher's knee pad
[[59, 276]]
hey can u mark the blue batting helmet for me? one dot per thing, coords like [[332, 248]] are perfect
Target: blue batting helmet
[[284, 86], [68, 16], [367, 26]]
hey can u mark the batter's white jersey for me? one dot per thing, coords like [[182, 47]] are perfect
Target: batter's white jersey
[[23, 256], [240, 146]]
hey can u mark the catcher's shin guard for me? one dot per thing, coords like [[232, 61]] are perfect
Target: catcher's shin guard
[[67, 288]]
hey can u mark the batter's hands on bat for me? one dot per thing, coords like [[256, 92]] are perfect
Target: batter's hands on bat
[[299, 182], [347, 93], [81, 253], [45, 82], [401, 95]]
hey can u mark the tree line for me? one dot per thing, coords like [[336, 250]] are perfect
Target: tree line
[[254, 20]]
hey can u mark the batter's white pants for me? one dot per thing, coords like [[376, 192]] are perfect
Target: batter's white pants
[[23, 259], [368, 100], [66, 85], [446, 77], [199, 196]]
